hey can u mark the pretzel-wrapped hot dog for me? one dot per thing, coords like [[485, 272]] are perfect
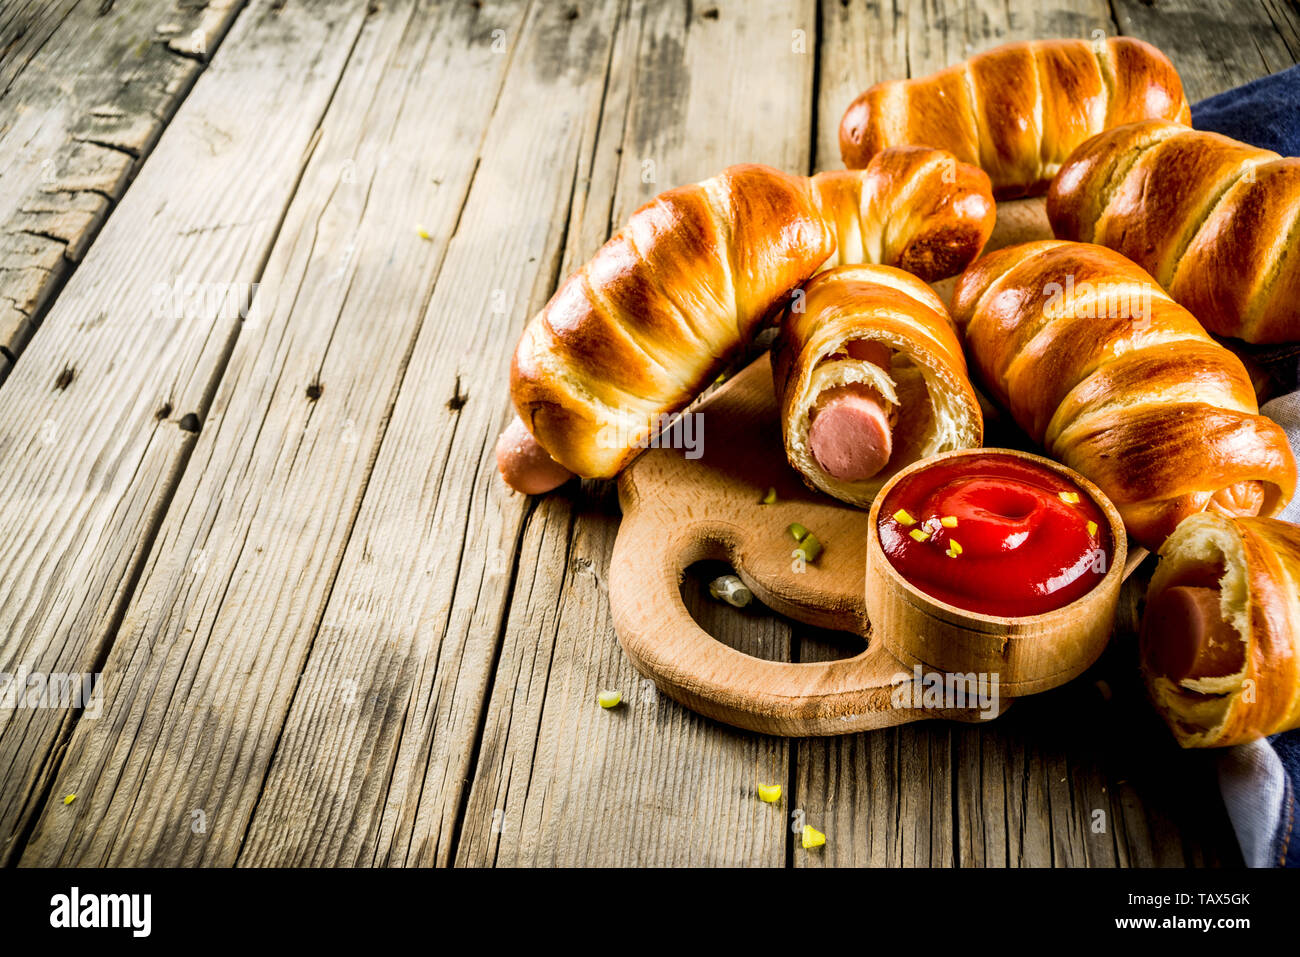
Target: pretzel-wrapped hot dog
[[1221, 630], [1018, 110]]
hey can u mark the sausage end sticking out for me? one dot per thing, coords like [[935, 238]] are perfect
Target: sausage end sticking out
[[1184, 635], [523, 463], [1242, 499], [850, 435]]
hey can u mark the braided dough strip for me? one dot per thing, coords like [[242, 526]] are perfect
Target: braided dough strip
[[1215, 221]]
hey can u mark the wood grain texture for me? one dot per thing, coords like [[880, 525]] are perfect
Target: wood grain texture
[[25, 27], [694, 96], [1215, 44], [85, 90], [257, 526], [416, 612], [100, 413]]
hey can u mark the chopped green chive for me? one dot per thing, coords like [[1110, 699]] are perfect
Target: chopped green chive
[[810, 547]]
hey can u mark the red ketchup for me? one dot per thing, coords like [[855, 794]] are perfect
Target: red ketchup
[[995, 534]]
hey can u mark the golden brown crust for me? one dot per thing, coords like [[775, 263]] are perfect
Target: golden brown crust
[[1215, 221], [669, 300], [1257, 561], [1118, 381], [1017, 110], [937, 410]]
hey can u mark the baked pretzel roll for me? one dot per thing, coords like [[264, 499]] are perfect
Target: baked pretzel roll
[[1215, 221], [1096, 362], [869, 378], [1221, 631], [1017, 111], [672, 298]]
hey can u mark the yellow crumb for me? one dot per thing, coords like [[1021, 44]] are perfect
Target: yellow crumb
[[812, 837]]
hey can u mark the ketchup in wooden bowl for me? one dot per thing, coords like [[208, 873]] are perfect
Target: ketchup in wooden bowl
[[996, 534], [994, 562]]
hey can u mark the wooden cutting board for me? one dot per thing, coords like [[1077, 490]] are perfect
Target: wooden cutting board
[[679, 510]]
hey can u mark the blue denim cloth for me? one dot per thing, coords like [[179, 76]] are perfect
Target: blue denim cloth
[[1263, 113], [1261, 781]]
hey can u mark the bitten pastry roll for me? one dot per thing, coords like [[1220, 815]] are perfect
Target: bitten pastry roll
[[869, 378], [1221, 631]]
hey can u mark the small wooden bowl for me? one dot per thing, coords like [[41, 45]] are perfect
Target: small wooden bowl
[[1029, 654]]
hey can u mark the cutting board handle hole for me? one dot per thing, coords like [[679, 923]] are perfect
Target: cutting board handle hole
[[756, 629]]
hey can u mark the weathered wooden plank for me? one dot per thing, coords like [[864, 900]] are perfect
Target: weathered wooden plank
[[1285, 17], [414, 617], [84, 92], [195, 694], [558, 780], [100, 413], [25, 27], [883, 799], [1216, 44]]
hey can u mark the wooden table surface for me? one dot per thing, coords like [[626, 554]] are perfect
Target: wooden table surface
[[325, 632]]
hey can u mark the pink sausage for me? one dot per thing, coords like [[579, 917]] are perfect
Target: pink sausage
[[1244, 498], [850, 436], [523, 463], [1184, 635]]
